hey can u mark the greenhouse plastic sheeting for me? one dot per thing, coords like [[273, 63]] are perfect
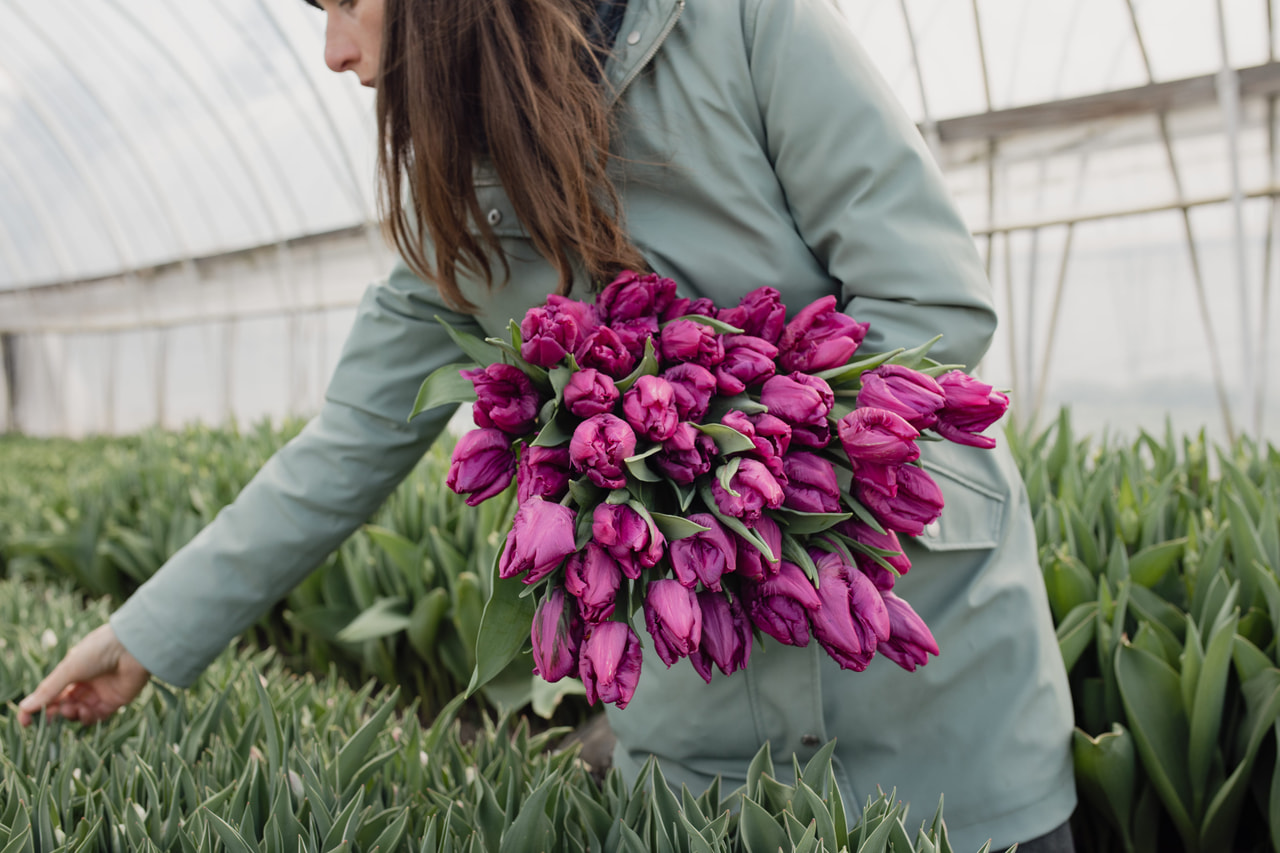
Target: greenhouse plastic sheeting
[[186, 195]]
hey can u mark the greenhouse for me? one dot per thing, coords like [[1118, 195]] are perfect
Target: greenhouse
[[189, 220]]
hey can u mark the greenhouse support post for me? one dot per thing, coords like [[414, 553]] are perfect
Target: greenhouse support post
[[8, 383]]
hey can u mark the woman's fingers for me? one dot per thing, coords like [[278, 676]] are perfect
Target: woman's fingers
[[74, 688]]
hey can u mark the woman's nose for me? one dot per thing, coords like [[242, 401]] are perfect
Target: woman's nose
[[341, 52]]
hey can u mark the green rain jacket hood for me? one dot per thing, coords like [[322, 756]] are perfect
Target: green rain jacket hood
[[759, 147]]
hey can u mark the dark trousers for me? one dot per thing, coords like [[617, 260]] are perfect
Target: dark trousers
[[1058, 841]]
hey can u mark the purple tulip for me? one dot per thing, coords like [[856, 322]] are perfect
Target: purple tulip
[[820, 337], [752, 564], [552, 331], [703, 557], [627, 535], [685, 456], [541, 536], [753, 489], [759, 313], [590, 392], [887, 541], [747, 361], [918, 502], [804, 402], [556, 635], [694, 386], [599, 448], [811, 483], [684, 306], [543, 471], [609, 663], [770, 435], [506, 398], [914, 395], [726, 635], [634, 334], [780, 606], [878, 443], [633, 295], [650, 407], [606, 352], [910, 641], [482, 465], [673, 618], [971, 406], [852, 620], [688, 341], [593, 576]]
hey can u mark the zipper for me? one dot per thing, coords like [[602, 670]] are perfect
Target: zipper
[[670, 25]]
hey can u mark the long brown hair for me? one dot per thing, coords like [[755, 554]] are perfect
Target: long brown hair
[[514, 81]]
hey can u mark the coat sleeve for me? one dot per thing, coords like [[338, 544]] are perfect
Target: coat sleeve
[[310, 495], [863, 188]]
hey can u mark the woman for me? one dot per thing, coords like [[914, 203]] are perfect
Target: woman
[[727, 144]]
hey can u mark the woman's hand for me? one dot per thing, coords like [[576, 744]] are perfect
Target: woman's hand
[[96, 678]]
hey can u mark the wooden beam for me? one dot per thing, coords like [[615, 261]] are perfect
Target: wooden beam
[[1256, 81]]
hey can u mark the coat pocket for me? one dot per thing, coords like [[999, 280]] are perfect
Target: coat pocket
[[975, 490]]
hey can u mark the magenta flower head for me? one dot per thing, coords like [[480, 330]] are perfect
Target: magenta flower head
[[878, 443], [593, 576], [599, 448], [914, 395], [804, 402], [820, 337], [887, 541], [590, 392], [541, 537], [634, 334], [482, 465], [604, 350], [971, 406], [505, 398], [633, 295], [556, 635], [752, 490], [673, 618], [780, 606], [552, 331], [747, 361], [770, 435], [918, 502], [650, 407], [543, 471], [811, 483], [760, 313], [690, 341], [726, 635], [628, 537], [910, 641], [751, 563], [694, 386], [609, 663], [683, 306], [685, 456], [703, 557], [852, 620]]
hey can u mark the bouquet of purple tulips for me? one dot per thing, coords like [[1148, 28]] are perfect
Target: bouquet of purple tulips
[[677, 457]]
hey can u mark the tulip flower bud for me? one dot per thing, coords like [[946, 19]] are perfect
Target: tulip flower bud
[[541, 536], [604, 350], [505, 398], [852, 620], [547, 336], [753, 489], [914, 395], [543, 471], [780, 606], [685, 456], [632, 295], [820, 337], [599, 448], [649, 406], [628, 537], [751, 563], [609, 663], [634, 334], [482, 465], [556, 636], [910, 641], [804, 402], [683, 306], [690, 341], [887, 541], [726, 635], [760, 313], [917, 502], [694, 386], [747, 361], [590, 392], [971, 406], [703, 557], [878, 443], [673, 618], [811, 484], [593, 576]]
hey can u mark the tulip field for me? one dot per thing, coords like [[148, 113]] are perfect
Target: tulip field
[[1160, 556]]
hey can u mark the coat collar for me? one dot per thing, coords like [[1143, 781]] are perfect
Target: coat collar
[[644, 28]]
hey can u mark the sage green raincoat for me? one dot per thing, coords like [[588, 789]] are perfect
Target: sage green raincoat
[[758, 147]]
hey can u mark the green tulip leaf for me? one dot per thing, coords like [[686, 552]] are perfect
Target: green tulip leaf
[[1151, 564], [444, 386], [1076, 632], [916, 356], [385, 617], [504, 628], [1206, 712], [1106, 772], [648, 366], [728, 440], [805, 523], [480, 352], [555, 433], [718, 326], [846, 374], [674, 527]]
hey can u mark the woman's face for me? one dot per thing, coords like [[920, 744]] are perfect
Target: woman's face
[[353, 37]]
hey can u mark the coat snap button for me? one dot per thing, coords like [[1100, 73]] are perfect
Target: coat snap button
[[634, 38], [494, 217], [810, 740], [932, 529]]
